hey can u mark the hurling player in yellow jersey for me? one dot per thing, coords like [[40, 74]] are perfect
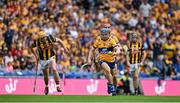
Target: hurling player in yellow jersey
[[106, 47], [114, 72], [42, 48]]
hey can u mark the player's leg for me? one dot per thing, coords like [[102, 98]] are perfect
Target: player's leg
[[135, 75], [131, 84], [108, 75], [97, 66], [107, 72], [135, 82], [132, 70], [114, 74], [46, 80], [56, 74], [43, 65]]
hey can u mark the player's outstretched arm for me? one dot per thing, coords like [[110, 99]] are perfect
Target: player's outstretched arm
[[144, 57], [33, 49], [117, 50], [62, 44], [127, 59], [90, 55]]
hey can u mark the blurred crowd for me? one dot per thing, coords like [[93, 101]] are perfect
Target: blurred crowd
[[77, 23]]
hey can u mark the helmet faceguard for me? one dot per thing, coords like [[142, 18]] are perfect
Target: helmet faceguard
[[105, 33], [134, 37]]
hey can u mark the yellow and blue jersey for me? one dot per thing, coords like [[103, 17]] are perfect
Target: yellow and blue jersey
[[104, 47], [115, 39]]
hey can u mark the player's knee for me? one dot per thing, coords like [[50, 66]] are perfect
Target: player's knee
[[135, 78], [113, 75], [107, 72], [54, 69]]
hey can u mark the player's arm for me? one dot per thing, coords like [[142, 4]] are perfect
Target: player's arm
[[33, 49], [127, 59], [144, 55], [117, 46], [116, 50], [62, 44], [92, 50], [127, 55]]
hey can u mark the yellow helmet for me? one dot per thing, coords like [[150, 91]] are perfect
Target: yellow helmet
[[41, 34]]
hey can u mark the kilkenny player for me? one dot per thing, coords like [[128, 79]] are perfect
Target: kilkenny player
[[106, 47], [43, 45], [135, 57]]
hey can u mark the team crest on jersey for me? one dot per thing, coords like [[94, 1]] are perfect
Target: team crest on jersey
[[104, 50], [134, 51]]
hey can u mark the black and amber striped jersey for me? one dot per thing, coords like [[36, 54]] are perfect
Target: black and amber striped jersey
[[45, 47], [135, 51]]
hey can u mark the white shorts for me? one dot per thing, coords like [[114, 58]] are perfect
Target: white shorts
[[134, 67], [43, 64]]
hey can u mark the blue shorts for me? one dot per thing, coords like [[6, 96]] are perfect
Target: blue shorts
[[116, 61], [110, 64]]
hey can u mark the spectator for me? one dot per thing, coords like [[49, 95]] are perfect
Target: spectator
[[136, 4], [168, 64], [134, 20], [1, 63], [145, 8], [169, 48], [8, 59], [9, 67], [157, 48], [160, 65], [8, 36], [176, 64], [124, 84]]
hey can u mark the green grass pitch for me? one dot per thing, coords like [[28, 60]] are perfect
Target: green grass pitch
[[87, 99]]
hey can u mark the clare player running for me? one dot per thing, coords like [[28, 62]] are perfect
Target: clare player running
[[43, 50], [107, 49], [114, 71], [135, 57]]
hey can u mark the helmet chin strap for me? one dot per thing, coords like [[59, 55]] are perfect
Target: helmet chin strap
[[104, 38], [134, 40]]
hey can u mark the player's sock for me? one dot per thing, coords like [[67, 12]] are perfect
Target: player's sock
[[109, 88], [57, 83], [58, 86], [115, 82], [113, 90], [46, 90], [136, 91]]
